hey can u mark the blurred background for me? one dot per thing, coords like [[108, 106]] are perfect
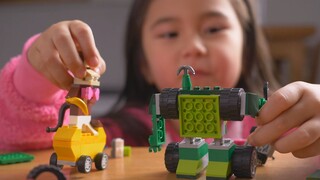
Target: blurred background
[[292, 28]]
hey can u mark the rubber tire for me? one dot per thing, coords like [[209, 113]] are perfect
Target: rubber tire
[[82, 162], [244, 161], [169, 103], [230, 104], [35, 172], [54, 160], [171, 157], [101, 161]]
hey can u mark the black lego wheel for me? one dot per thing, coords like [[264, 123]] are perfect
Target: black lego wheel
[[84, 164], [230, 104], [101, 161], [171, 157], [244, 162], [35, 172], [54, 160], [169, 103]]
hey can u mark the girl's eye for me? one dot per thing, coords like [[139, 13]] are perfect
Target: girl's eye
[[169, 35], [212, 30]]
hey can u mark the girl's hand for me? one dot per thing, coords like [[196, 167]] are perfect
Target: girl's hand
[[290, 120], [57, 50]]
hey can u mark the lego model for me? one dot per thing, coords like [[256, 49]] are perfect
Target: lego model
[[83, 139], [203, 113], [15, 157], [117, 150]]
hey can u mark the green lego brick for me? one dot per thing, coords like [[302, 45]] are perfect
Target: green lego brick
[[191, 168], [199, 116], [252, 104], [219, 170], [193, 153], [17, 157], [314, 176], [221, 155], [127, 151]]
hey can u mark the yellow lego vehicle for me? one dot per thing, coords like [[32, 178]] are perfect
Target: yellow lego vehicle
[[82, 140]]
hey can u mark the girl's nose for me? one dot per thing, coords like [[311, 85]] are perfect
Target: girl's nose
[[195, 47]]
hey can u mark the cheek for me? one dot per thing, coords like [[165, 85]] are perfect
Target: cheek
[[233, 71], [162, 68], [164, 75], [230, 65]]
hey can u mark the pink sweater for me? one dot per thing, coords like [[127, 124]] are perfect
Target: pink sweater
[[30, 103]]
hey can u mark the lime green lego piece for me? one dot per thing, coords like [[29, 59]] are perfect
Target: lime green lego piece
[[199, 116], [17, 157], [189, 167], [193, 153], [219, 170], [127, 150], [221, 155]]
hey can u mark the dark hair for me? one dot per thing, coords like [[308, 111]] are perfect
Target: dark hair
[[137, 91], [256, 60]]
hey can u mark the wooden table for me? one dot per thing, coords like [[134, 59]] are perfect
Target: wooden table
[[144, 165]]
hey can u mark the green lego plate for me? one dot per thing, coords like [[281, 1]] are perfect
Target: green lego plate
[[16, 157]]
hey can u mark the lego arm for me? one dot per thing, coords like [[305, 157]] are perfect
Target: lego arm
[[62, 111], [254, 103], [158, 137], [75, 101]]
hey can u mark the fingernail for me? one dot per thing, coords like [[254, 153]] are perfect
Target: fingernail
[[97, 70]]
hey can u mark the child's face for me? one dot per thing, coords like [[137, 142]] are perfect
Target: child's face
[[205, 34]]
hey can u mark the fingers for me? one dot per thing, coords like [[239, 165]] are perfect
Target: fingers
[[58, 74], [83, 40], [57, 50], [101, 68], [288, 119], [302, 137], [83, 35], [64, 44], [309, 151], [280, 101], [52, 67]]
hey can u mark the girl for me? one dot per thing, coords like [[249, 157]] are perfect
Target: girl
[[219, 38]]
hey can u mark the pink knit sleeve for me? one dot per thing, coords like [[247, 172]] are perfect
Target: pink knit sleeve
[[28, 104]]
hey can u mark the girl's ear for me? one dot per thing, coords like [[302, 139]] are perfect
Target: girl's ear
[[145, 70]]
